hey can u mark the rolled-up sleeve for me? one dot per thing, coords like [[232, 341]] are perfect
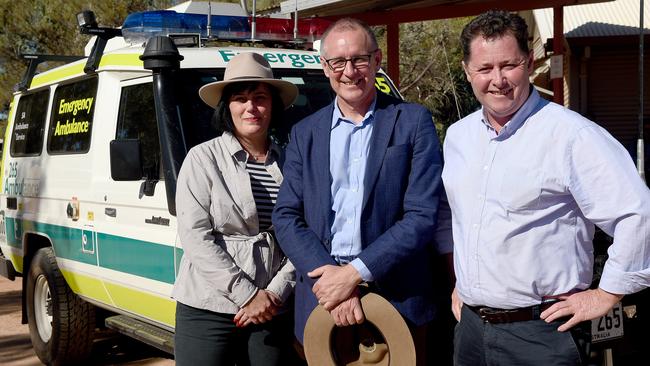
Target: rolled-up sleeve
[[610, 193]]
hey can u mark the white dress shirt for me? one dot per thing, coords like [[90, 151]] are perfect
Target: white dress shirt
[[524, 203]]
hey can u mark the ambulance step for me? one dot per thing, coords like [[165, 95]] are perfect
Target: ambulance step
[[7, 268], [146, 333]]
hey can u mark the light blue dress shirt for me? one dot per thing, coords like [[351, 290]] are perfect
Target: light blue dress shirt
[[349, 148], [524, 202]]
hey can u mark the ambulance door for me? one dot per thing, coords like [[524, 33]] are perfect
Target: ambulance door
[[136, 242]]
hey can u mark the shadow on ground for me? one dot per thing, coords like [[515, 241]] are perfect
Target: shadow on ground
[[111, 350], [119, 349], [10, 302], [14, 349]]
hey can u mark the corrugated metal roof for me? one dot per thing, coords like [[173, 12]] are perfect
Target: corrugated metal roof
[[616, 18]]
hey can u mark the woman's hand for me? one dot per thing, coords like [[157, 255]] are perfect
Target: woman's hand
[[260, 309]]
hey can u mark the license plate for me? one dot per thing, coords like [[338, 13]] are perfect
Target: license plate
[[609, 326]]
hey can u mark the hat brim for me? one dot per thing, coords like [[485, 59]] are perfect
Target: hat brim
[[211, 93], [380, 313]]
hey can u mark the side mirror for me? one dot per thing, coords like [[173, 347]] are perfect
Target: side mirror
[[126, 160]]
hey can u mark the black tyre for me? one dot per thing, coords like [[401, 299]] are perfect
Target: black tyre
[[61, 325]]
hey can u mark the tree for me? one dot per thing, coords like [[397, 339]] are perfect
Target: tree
[[430, 69], [50, 27]]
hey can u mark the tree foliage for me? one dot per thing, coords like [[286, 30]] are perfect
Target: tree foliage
[[430, 69], [50, 27]]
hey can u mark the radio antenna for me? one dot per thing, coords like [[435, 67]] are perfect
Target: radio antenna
[[209, 26]]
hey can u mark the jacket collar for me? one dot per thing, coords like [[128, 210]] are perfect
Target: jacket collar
[[237, 151]]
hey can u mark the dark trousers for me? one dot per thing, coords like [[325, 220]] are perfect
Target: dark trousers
[[207, 338], [440, 339], [419, 335], [532, 343]]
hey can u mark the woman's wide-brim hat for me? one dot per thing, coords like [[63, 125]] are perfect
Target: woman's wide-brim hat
[[248, 66], [383, 339]]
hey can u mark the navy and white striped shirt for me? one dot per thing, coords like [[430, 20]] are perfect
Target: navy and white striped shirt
[[265, 192]]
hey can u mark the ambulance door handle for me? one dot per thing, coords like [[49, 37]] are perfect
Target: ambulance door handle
[[72, 210], [12, 203], [110, 212]]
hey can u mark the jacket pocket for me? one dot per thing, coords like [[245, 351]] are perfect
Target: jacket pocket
[[242, 254], [221, 216], [397, 151]]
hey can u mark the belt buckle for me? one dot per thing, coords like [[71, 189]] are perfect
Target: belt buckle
[[493, 316], [485, 313]]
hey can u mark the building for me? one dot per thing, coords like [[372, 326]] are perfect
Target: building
[[600, 65]]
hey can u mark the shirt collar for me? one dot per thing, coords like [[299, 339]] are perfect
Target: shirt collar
[[337, 116], [519, 117], [236, 150]]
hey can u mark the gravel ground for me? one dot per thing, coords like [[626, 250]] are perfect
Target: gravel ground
[[16, 347]]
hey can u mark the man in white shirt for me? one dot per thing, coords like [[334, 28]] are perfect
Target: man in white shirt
[[527, 180]]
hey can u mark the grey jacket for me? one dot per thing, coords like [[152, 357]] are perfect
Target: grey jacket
[[226, 259]]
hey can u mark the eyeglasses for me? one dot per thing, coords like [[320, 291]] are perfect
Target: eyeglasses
[[338, 64]]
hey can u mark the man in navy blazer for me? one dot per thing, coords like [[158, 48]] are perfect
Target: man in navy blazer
[[360, 193]]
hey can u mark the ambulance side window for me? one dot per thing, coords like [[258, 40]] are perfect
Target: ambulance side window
[[72, 117], [137, 120], [29, 124]]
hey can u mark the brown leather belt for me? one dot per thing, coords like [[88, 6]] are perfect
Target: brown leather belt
[[500, 316]]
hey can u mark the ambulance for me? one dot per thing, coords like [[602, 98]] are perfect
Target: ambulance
[[90, 160]]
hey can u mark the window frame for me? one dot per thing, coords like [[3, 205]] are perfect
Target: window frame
[[44, 121], [131, 83]]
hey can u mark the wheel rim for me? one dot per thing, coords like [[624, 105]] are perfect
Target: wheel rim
[[43, 308]]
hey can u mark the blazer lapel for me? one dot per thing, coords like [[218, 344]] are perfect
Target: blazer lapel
[[321, 163], [385, 118]]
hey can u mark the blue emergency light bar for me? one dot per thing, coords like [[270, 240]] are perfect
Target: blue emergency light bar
[[139, 27]]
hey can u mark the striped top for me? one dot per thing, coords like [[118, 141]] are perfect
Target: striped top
[[265, 192]]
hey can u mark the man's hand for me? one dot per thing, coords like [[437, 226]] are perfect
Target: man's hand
[[336, 284], [260, 309], [581, 306], [348, 312], [456, 304]]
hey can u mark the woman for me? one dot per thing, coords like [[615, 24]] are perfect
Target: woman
[[233, 280]]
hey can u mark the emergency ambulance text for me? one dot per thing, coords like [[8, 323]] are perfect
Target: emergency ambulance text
[[75, 105]]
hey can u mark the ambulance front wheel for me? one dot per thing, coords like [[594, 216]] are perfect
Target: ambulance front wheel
[[61, 325]]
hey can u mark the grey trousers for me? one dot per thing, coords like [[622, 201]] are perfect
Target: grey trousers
[[533, 343], [207, 338]]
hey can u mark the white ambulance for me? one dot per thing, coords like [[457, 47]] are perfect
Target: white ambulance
[[91, 155]]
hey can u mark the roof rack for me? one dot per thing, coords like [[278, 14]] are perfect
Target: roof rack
[[34, 61], [88, 25]]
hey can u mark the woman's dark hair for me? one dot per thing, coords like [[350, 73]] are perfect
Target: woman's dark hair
[[495, 24], [222, 119]]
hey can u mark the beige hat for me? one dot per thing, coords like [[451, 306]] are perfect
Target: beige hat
[[248, 66], [383, 339]]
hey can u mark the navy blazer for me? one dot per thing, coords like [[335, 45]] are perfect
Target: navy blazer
[[401, 188]]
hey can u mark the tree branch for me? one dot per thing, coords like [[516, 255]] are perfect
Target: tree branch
[[420, 76]]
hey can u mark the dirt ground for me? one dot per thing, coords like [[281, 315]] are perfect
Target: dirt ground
[[16, 347]]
